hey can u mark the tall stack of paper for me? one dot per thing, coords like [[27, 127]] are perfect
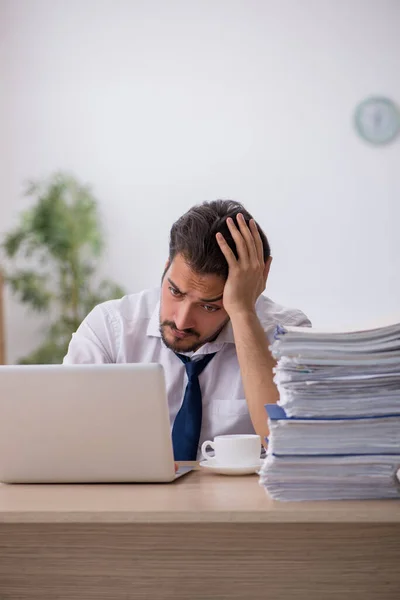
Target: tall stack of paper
[[335, 432]]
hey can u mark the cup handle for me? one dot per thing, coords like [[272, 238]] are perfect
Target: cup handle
[[204, 447]]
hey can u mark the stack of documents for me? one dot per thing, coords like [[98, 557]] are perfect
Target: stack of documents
[[315, 436], [331, 478], [335, 432]]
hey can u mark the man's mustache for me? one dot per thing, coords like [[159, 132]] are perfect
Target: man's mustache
[[173, 326]]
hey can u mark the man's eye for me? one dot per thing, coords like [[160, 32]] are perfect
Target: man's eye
[[174, 291], [209, 308]]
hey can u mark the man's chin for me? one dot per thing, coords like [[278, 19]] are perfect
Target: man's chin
[[189, 344]]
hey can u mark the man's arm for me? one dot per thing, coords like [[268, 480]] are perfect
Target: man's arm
[[94, 341], [256, 364], [246, 281]]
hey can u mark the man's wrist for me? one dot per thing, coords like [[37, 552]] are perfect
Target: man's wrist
[[243, 314]]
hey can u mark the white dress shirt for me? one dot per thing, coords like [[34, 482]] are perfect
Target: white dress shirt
[[127, 331]]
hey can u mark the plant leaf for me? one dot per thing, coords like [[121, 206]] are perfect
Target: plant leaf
[[31, 288], [62, 231]]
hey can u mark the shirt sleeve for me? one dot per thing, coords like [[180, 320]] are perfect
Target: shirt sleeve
[[95, 341], [292, 318], [297, 319]]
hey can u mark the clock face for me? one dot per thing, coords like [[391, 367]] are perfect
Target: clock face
[[377, 120]]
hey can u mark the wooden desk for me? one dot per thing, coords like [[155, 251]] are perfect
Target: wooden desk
[[203, 537]]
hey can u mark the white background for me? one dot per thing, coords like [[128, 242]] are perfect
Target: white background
[[161, 104]]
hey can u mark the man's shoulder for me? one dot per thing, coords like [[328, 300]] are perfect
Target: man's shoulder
[[140, 305], [271, 314]]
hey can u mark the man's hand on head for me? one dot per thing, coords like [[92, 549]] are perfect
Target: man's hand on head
[[248, 273]]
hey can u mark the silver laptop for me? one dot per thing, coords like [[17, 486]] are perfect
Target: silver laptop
[[85, 424]]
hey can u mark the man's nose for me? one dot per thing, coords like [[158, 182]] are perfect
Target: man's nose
[[184, 317]]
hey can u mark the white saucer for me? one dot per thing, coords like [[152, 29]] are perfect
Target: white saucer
[[214, 467]]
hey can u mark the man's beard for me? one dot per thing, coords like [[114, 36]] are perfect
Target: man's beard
[[195, 345]]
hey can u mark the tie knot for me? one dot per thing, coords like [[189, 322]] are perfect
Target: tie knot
[[195, 367]]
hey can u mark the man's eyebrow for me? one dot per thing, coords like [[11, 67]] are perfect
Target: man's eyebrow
[[212, 299], [206, 300], [174, 285]]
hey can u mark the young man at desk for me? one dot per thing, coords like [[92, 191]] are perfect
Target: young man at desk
[[209, 326]]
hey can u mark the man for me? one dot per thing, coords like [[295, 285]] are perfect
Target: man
[[210, 327]]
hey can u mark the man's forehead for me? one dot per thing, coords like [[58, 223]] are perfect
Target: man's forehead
[[189, 281]]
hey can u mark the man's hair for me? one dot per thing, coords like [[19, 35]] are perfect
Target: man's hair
[[193, 236]]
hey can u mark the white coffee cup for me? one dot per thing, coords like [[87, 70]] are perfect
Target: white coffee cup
[[234, 450]]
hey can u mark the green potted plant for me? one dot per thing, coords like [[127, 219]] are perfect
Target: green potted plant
[[52, 257]]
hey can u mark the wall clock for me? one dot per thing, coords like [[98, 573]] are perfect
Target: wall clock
[[377, 120]]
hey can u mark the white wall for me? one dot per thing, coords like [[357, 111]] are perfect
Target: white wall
[[161, 104]]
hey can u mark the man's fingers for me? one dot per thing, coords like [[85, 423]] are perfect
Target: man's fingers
[[248, 237], [248, 243], [257, 240], [226, 251], [241, 245]]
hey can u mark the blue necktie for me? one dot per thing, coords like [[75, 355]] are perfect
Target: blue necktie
[[187, 425]]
